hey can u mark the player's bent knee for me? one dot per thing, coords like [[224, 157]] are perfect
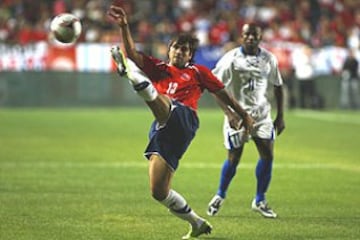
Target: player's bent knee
[[158, 195], [146, 90]]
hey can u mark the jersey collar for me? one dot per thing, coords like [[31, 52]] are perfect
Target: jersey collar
[[242, 50]]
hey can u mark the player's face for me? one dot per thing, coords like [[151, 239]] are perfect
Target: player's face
[[179, 54], [251, 37]]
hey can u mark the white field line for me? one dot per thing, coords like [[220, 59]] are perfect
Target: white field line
[[328, 117], [143, 164]]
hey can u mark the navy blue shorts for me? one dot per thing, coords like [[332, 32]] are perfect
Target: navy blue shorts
[[172, 140]]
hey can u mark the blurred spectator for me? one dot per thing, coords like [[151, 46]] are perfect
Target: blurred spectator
[[349, 94], [353, 40], [302, 62], [202, 24], [59, 6], [219, 32]]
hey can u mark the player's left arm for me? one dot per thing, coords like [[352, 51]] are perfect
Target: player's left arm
[[279, 122], [276, 79]]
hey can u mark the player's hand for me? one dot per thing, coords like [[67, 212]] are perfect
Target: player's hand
[[118, 15], [279, 124], [234, 120], [248, 123]]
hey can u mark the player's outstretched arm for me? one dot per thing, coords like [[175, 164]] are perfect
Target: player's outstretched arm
[[118, 15], [233, 118], [230, 106]]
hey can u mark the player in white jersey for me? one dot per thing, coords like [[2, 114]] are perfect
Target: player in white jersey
[[247, 71]]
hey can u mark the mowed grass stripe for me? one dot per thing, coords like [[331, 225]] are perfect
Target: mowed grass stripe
[[198, 165], [335, 117]]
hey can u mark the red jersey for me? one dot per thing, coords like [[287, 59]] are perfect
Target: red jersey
[[185, 85]]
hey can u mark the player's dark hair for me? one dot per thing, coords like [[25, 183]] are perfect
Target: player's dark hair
[[184, 38]]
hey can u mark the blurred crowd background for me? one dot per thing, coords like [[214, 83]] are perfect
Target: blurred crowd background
[[311, 38], [314, 22]]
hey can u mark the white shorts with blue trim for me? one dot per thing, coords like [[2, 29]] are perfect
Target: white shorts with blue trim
[[263, 128]]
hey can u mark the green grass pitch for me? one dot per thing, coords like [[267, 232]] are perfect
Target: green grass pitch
[[79, 174]]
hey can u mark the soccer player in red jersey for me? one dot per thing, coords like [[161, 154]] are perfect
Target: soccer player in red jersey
[[171, 90]]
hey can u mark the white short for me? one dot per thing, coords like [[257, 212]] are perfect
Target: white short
[[263, 128]]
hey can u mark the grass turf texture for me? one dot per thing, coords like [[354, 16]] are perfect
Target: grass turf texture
[[79, 174]]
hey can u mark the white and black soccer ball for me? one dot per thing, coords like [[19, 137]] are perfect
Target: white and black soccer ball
[[66, 28]]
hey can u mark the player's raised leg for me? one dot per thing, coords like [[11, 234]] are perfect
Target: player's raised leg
[[140, 82], [159, 104]]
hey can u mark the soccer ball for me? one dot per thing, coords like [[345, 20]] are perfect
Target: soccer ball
[[66, 28]]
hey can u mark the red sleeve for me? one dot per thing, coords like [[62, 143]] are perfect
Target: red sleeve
[[154, 68], [208, 80]]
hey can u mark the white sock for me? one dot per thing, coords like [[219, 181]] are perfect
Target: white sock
[[145, 89], [179, 207], [141, 82]]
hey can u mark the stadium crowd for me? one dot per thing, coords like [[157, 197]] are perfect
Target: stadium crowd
[[314, 22], [299, 28]]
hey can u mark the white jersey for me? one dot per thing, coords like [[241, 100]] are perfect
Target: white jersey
[[250, 92]]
